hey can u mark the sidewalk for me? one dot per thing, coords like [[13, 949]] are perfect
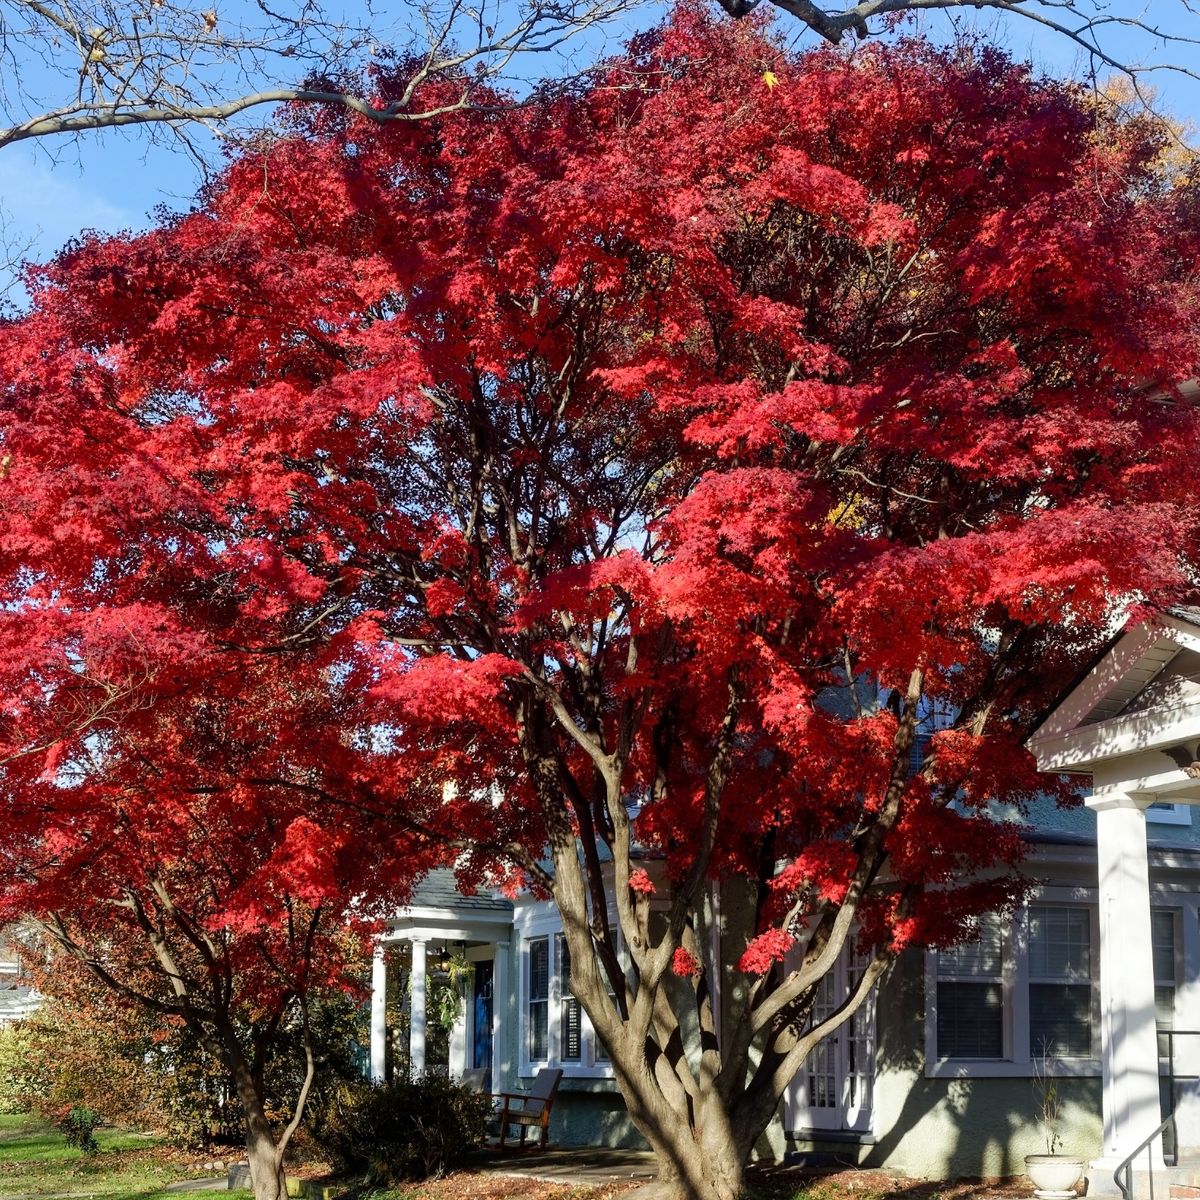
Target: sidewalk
[[580, 1166]]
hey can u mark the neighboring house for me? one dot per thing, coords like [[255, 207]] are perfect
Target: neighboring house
[[17, 997], [937, 1076]]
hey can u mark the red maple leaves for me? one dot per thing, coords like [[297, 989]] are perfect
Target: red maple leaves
[[665, 430]]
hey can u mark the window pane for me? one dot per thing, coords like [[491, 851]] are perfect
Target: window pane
[[1162, 937], [1060, 1020], [539, 1042], [982, 957], [564, 962], [569, 1034], [970, 1020], [539, 969], [539, 992], [571, 1026], [1060, 943], [1164, 1006]]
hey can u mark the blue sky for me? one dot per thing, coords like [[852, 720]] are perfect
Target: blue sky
[[51, 191]]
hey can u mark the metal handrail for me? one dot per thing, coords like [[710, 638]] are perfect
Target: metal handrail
[[1123, 1175]]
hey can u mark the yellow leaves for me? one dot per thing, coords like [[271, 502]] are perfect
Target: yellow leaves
[[770, 79], [848, 513]]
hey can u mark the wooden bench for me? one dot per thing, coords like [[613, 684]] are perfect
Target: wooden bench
[[529, 1110]]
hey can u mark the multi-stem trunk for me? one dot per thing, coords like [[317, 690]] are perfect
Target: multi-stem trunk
[[267, 1176], [699, 1157]]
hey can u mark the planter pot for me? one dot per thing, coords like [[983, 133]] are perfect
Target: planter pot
[[1054, 1176]]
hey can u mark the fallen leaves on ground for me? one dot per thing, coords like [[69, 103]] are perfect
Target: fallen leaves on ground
[[470, 1185]]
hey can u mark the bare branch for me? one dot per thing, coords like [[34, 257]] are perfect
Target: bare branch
[[75, 66]]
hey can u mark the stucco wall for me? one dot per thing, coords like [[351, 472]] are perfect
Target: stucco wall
[[946, 1128]]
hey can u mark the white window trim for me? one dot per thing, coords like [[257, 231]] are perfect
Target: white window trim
[[529, 927], [1017, 1061], [1179, 917], [1169, 814]]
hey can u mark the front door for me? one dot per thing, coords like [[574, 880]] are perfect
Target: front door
[[833, 1091], [481, 1023]]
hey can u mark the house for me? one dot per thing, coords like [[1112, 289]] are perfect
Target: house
[[17, 997], [1096, 980]]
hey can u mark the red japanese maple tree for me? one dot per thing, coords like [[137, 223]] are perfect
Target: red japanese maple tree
[[713, 470], [188, 822]]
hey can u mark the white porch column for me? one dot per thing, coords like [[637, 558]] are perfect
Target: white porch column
[[460, 1031], [1129, 1041], [378, 1014], [416, 1012], [502, 1005]]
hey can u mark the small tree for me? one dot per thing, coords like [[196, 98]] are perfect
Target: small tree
[[190, 857]]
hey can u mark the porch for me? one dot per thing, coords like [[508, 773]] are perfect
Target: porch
[[443, 941], [1133, 725]]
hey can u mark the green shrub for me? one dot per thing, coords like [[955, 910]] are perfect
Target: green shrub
[[79, 1128], [14, 1082], [409, 1129]]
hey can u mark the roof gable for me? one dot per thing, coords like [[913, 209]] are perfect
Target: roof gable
[[1142, 694]]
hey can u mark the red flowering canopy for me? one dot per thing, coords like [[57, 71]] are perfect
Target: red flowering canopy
[[659, 461]]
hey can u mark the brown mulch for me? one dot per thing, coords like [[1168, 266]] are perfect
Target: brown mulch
[[465, 1185], [784, 1183], [765, 1183]]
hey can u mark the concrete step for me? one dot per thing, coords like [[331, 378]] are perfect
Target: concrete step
[[1179, 1182]]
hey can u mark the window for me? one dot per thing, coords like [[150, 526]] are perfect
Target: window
[[1023, 989], [1169, 814], [570, 1025], [1060, 982], [538, 993], [1163, 923], [555, 1029], [970, 995]]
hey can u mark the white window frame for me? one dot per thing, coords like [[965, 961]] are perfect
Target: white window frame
[[528, 999], [1009, 938], [843, 1117], [530, 926], [1169, 814], [1177, 982], [1018, 1061]]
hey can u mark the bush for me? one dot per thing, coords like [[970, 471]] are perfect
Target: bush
[[14, 1084], [79, 1128], [410, 1129]]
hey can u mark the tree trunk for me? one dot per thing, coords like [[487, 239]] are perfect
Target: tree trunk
[[267, 1176], [266, 1170], [711, 1167]]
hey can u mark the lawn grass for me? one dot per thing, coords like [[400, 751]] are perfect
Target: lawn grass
[[35, 1160]]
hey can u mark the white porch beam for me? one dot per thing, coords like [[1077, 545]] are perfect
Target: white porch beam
[[378, 1064], [1149, 787], [416, 1012], [1080, 749], [1180, 631], [1129, 1040]]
